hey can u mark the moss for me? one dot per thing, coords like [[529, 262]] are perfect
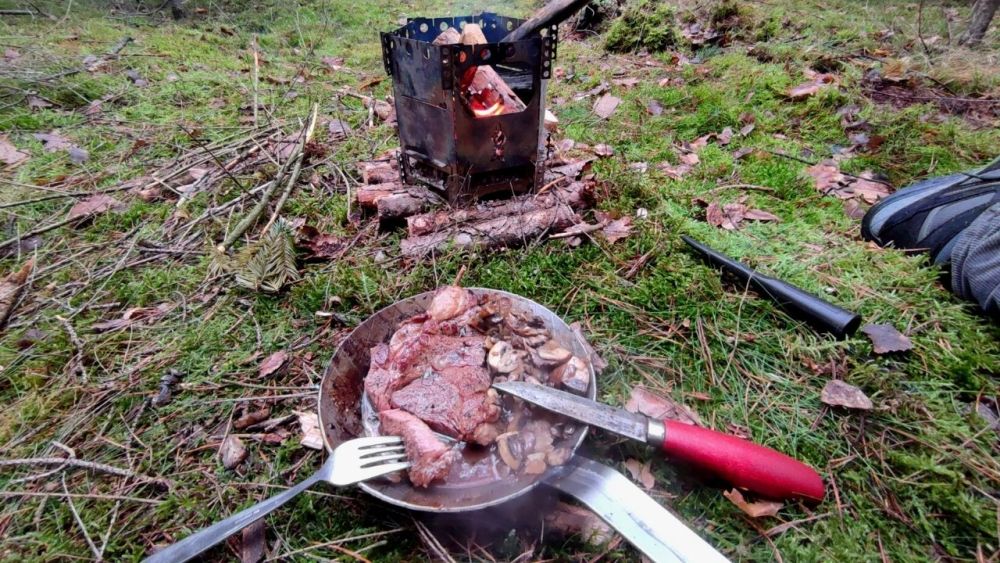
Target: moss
[[646, 24]]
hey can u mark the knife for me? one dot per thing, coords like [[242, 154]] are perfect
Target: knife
[[745, 464]]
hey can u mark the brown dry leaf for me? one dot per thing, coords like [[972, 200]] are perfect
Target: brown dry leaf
[[740, 153], [641, 472], [321, 246], [252, 544], [868, 189], [312, 436], [674, 172], [603, 150], [757, 509], [761, 215], [643, 401], [839, 394], [131, 316], [11, 288], [93, 205], [885, 338], [36, 103], [700, 142], [826, 175], [53, 141], [853, 209], [273, 363], [606, 105], [803, 91], [617, 229], [385, 111], [573, 169], [725, 136], [747, 129], [626, 82], [894, 70], [689, 158], [333, 63], [232, 451], [730, 215], [9, 154], [251, 418], [654, 108]]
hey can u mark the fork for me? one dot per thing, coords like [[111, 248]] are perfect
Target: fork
[[351, 462]]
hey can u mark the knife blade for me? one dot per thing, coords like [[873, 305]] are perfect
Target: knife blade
[[743, 463]]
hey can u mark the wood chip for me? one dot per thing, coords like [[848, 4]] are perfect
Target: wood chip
[[839, 394], [312, 435], [886, 339], [757, 509]]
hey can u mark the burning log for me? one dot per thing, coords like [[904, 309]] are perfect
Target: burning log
[[494, 225], [483, 89]]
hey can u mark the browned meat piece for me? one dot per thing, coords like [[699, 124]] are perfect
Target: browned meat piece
[[430, 458]]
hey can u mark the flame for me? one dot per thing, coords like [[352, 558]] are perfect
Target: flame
[[479, 111]]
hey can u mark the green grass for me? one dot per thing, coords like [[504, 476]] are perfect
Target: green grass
[[914, 479]]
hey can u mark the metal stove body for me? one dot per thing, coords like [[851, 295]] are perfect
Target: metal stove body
[[442, 143]]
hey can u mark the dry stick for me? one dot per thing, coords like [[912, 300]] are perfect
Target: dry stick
[[256, 73], [14, 494], [113, 53], [77, 344], [294, 177], [265, 198], [38, 231], [62, 195], [73, 462], [79, 521]]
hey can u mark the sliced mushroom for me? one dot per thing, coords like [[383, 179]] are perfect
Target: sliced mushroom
[[534, 464], [553, 354], [509, 449], [573, 375], [502, 357]]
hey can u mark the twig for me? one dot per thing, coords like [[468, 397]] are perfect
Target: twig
[[15, 494], [432, 542], [113, 53], [256, 73], [73, 462], [294, 177], [62, 195], [79, 521], [77, 361], [38, 231], [920, 24]]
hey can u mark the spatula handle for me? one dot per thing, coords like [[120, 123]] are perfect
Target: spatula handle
[[747, 465]]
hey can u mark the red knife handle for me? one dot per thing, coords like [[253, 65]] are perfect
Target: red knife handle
[[745, 464]]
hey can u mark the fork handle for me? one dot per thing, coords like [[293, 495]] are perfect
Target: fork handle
[[198, 542]]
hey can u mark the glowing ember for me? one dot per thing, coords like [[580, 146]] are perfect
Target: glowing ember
[[479, 109]]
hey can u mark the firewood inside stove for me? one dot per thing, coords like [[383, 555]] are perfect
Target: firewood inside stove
[[483, 89]]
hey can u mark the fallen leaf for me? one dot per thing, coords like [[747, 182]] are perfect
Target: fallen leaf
[[604, 150], [617, 229], [333, 63], [251, 418], [232, 451], [339, 130], [741, 153], [626, 82], [700, 142], [674, 172], [53, 141], [757, 509], [136, 78], [312, 436], [606, 106], [725, 136], [885, 338], [894, 70], [650, 404], [727, 216], [761, 215], [641, 472], [9, 154], [598, 90], [10, 54], [853, 209], [322, 246], [36, 103], [93, 108], [690, 158], [810, 88], [130, 317], [385, 111], [654, 108], [573, 169], [167, 382], [273, 363], [747, 129], [11, 288], [93, 205], [870, 190], [836, 393], [252, 542], [78, 155], [826, 175], [640, 167]]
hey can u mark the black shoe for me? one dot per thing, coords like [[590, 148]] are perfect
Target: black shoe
[[929, 215]]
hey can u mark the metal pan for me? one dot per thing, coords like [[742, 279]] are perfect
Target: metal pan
[[342, 389]]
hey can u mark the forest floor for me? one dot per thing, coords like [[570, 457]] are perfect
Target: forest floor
[[123, 300]]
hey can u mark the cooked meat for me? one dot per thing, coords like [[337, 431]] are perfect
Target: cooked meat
[[429, 456]]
